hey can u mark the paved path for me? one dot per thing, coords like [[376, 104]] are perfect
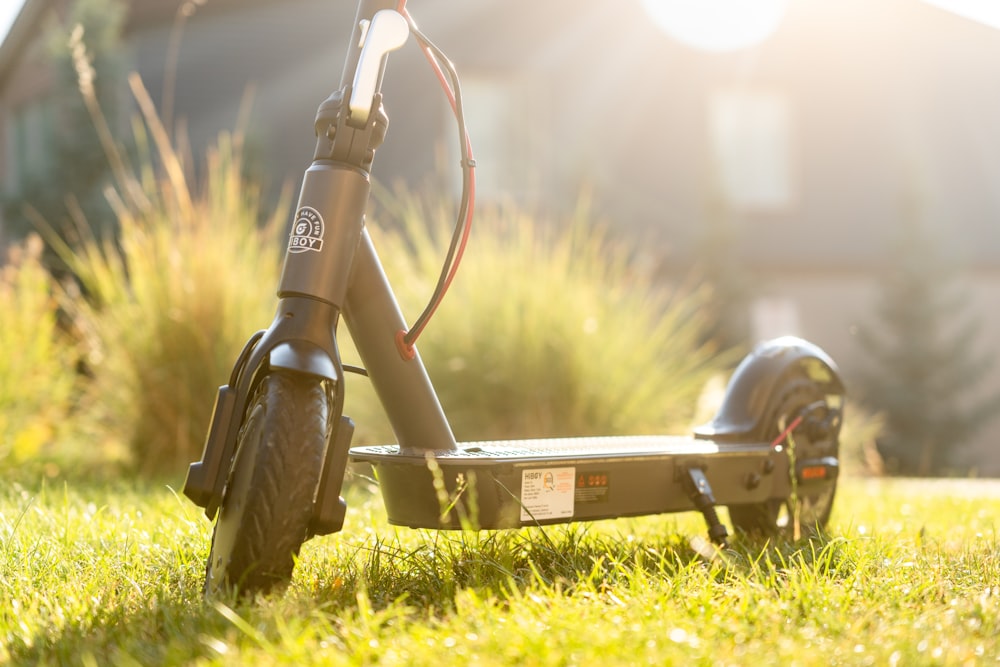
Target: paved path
[[950, 486]]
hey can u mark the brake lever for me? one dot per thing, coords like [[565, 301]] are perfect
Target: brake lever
[[387, 31]]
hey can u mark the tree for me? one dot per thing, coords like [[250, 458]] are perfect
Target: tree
[[925, 366]]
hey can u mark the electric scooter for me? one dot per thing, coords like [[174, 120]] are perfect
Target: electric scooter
[[278, 445]]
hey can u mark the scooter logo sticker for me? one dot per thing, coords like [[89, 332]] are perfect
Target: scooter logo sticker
[[307, 232]]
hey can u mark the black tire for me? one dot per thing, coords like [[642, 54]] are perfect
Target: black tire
[[268, 501], [777, 517]]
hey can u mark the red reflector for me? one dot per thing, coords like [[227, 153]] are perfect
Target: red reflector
[[814, 472]]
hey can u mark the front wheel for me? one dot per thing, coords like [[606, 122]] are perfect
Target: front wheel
[[268, 500], [806, 511]]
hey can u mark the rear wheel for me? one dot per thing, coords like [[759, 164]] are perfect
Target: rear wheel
[[268, 501], [806, 511]]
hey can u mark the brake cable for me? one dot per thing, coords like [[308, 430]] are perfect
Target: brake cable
[[439, 64]]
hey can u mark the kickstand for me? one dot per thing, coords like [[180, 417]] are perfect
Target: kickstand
[[700, 492]]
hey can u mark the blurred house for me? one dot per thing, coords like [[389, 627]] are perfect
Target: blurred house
[[805, 151]]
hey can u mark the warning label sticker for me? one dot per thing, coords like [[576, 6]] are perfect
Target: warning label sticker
[[547, 493]]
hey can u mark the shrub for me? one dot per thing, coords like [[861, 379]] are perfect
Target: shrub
[[171, 300], [37, 367], [550, 329]]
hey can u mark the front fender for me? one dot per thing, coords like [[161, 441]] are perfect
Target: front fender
[[743, 415], [301, 339], [303, 357]]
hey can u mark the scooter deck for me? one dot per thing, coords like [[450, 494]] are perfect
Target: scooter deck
[[508, 484]]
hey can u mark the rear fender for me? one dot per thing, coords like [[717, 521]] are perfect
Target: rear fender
[[747, 404]]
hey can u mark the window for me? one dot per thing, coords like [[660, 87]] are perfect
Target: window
[[28, 143], [751, 143]]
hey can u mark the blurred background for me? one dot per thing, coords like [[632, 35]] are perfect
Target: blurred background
[[827, 169]]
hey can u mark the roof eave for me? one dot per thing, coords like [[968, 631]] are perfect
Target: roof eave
[[20, 34]]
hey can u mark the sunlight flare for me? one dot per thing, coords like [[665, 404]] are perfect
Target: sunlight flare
[[717, 25]]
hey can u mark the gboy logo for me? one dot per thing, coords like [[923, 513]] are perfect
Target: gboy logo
[[307, 232]]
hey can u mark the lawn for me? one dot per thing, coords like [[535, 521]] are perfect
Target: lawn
[[110, 573]]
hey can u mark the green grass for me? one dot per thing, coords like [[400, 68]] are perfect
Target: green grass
[[110, 574]]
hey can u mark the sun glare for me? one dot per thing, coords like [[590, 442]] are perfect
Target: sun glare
[[986, 12], [717, 25]]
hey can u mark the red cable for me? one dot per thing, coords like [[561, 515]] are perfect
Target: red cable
[[454, 266], [784, 434], [406, 349]]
